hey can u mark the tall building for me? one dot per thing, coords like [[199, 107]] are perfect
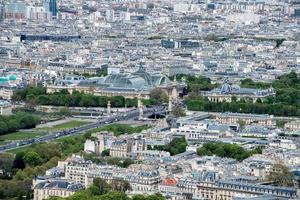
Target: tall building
[[51, 6], [15, 10], [1, 12], [37, 13], [110, 15]]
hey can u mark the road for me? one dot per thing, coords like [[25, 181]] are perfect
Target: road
[[52, 136]]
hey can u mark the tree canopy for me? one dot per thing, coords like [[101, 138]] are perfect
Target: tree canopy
[[178, 111], [38, 95], [176, 146], [226, 150], [285, 103], [17, 121], [159, 96], [281, 175]]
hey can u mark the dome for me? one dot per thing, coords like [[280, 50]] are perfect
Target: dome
[[159, 79], [3, 79], [12, 78], [146, 76], [226, 87], [125, 81]]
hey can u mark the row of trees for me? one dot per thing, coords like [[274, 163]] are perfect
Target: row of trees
[[20, 168], [287, 89], [38, 96], [18, 121], [196, 83], [78, 99], [176, 146], [242, 106], [226, 150], [120, 129]]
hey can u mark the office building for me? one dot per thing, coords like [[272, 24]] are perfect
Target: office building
[[51, 6]]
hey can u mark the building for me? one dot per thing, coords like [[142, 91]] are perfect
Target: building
[[5, 108], [227, 189], [126, 148], [130, 85], [37, 13], [6, 92], [170, 190], [51, 6], [50, 37], [151, 154], [205, 131], [110, 15], [178, 44], [143, 179], [98, 142], [227, 92], [77, 170], [55, 188], [293, 125], [90, 146], [15, 10], [256, 131], [283, 143], [197, 128], [120, 148], [235, 118]]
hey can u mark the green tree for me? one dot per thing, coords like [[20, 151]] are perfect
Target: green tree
[[118, 101], [225, 150], [3, 128], [6, 162], [65, 111], [159, 96], [48, 150], [32, 158], [114, 195], [12, 125], [176, 146], [233, 99], [281, 175], [150, 197], [105, 152], [241, 124], [102, 186], [178, 111]]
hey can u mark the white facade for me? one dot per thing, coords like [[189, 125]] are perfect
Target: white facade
[[5, 108], [124, 16], [110, 15], [89, 146], [37, 13]]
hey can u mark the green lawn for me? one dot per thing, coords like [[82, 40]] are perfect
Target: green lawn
[[67, 125], [19, 136], [71, 124], [21, 149], [76, 140]]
